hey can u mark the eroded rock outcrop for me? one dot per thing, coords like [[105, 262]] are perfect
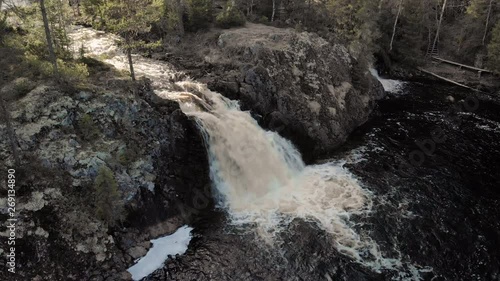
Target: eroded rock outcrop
[[310, 90], [63, 139]]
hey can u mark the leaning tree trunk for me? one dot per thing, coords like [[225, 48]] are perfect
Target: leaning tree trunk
[[79, 13], [438, 27], [129, 57], [52, 54], [487, 22], [274, 10], [180, 14], [395, 24]]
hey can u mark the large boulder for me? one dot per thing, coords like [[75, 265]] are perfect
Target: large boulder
[[310, 90]]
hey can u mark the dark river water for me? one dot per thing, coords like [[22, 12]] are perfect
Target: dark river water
[[434, 169]]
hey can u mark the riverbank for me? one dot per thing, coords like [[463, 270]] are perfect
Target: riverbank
[[486, 82], [65, 135]]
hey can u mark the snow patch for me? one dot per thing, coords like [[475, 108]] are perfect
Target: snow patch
[[170, 245]]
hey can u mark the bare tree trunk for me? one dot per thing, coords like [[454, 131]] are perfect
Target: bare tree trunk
[[62, 26], [395, 24], [78, 8], [10, 132], [179, 13], [129, 57], [487, 21], [49, 37], [438, 27], [274, 10]]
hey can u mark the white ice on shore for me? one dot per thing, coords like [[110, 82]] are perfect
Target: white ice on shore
[[176, 243]]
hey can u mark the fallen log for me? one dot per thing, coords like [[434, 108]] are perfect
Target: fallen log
[[447, 80]]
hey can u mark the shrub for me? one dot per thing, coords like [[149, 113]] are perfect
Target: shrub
[[17, 89], [299, 27], [73, 72], [127, 156], [200, 14], [22, 86], [263, 19], [494, 49], [88, 128], [37, 66], [94, 66], [230, 17], [109, 205], [3, 27]]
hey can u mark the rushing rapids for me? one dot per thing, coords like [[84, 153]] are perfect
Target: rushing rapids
[[261, 182], [259, 176]]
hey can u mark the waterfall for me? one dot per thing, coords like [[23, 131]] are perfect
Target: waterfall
[[390, 85], [258, 177]]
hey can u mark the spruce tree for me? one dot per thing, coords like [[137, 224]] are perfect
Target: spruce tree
[[109, 206]]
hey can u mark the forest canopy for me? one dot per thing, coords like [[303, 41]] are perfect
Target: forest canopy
[[402, 31]]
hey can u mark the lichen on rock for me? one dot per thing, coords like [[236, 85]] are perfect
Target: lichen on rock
[[137, 136]]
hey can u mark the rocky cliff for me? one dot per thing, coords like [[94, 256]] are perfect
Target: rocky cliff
[[310, 90], [63, 138]]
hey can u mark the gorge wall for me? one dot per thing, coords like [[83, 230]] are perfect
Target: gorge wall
[[152, 149]]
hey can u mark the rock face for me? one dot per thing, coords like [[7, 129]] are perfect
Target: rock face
[[311, 91], [63, 139]]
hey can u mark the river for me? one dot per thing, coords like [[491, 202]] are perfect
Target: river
[[413, 195]]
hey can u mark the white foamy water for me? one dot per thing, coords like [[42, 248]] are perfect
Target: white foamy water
[[390, 85], [104, 47], [9, 4], [174, 244], [258, 176]]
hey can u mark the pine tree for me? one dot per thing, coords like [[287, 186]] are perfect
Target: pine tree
[[109, 206], [356, 23], [199, 14], [172, 17]]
